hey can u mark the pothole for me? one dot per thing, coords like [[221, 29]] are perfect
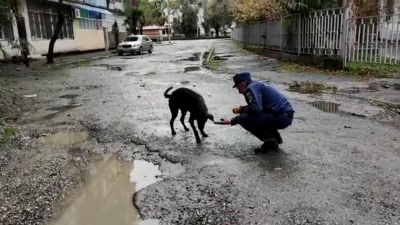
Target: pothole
[[107, 196], [195, 57], [69, 138], [220, 58], [64, 107], [69, 96], [330, 107], [192, 68], [183, 82], [109, 67]]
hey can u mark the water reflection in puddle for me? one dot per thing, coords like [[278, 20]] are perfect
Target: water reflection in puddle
[[107, 197], [69, 138], [324, 106]]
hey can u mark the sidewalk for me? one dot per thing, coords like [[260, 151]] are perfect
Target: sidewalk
[[66, 59], [39, 65]]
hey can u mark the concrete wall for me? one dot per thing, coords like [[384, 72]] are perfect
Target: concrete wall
[[89, 40], [41, 47], [111, 38]]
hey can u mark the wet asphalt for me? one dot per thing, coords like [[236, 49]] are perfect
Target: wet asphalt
[[333, 168]]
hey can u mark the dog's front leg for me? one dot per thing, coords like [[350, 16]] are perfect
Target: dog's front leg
[[196, 134], [201, 126]]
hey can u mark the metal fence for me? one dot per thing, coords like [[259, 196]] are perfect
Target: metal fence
[[328, 32], [374, 39], [317, 33]]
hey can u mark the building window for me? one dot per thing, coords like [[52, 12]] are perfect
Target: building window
[[90, 20], [43, 20], [6, 32], [6, 29]]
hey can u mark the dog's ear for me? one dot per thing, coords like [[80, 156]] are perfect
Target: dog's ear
[[210, 117]]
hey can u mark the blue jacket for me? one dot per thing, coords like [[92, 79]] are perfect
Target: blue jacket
[[263, 97]]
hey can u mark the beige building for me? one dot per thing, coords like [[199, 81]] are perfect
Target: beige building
[[87, 25]]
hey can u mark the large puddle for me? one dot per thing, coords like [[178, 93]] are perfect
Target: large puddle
[[107, 197], [69, 138]]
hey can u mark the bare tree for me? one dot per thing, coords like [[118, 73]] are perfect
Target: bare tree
[[60, 22]]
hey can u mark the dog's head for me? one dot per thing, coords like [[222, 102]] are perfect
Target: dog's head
[[202, 119], [210, 117]]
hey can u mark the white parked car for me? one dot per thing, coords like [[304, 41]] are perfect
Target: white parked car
[[135, 44]]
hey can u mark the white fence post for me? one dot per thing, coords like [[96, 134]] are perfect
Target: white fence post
[[344, 39], [299, 34], [257, 38], [281, 34]]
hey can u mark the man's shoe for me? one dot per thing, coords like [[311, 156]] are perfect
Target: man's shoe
[[277, 136], [267, 147]]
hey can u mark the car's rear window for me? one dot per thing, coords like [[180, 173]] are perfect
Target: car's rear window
[[131, 38]]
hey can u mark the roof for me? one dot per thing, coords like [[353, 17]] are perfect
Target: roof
[[152, 27]]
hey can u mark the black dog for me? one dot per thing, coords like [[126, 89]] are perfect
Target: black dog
[[188, 100]]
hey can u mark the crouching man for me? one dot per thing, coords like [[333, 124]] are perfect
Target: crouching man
[[267, 111]]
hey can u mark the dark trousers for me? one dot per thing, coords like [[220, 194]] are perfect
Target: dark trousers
[[265, 126]]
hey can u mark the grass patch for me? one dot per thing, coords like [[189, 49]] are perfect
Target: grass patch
[[361, 70], [312, 87], [7, 133], [373, 70], [212, 63]]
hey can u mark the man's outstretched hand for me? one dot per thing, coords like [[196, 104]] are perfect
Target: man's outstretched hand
[[223, 122], [235, 121]]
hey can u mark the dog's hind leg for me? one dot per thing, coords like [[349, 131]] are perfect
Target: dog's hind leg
[[196, 134], [174, 114], [183, 112]]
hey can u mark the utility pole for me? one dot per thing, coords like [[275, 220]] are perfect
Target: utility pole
[[169, 23]]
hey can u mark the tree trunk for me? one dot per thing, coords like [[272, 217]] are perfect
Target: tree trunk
[[217, 32], [60, 22], [116, 33], [134, 27], [169, 33]]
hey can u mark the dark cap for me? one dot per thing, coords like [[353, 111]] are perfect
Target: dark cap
[[241, 77]]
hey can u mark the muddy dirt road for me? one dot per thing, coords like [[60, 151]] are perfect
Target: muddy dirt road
[[334, 167]]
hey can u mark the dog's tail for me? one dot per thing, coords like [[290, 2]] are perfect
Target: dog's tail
[[166, 95]]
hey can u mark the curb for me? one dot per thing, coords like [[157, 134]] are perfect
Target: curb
[[162, 44], [82, 60], [210, 53]]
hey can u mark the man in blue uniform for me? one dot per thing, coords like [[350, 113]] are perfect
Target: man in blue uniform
[[267, 111]]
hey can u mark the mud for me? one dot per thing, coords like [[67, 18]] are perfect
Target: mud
[[69, 96], [198, 56], [109, 67], [64, 107]]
